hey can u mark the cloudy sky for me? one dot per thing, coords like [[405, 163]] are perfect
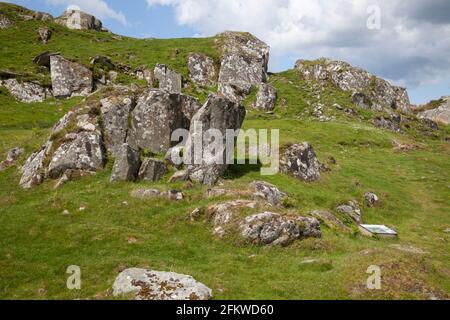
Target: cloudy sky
[[409, 44]]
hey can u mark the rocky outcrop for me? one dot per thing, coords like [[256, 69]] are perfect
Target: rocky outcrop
[[273, 229], [268, 192], [69, 78], [390, 123], [152, 170], [266, 98], [244, 64], [202, 70], [26, 91], [142, 73], [220, 114], [34, 171], [79, 20], [439, 114], [11, 158], [370, 90], [300, 161], [351, 209], [4, 22], [44, 34], [155, 285], [168, 79], [126, 164]]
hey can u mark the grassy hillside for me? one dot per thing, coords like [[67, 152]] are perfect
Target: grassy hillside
[[115, 231]]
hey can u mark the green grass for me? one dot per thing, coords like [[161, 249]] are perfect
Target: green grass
[[38, 243]]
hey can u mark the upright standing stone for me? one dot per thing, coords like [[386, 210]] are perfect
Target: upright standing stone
[[168, 79], [266, 98], [202, 70], [126, 165]]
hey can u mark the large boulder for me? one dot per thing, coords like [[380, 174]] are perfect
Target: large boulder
[[115, 111], [156, 285], [26, 91], [152, 170], [371, 91], [126, 165], [273, 229], [266, 98], [34, 171], [219, 114], [300, 161], [244, 64], [168, 79], [440, 113], [157, 114], [69, 78], [79, 20], [202, 70]]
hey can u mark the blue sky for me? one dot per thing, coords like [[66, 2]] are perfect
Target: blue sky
[[410, 49]]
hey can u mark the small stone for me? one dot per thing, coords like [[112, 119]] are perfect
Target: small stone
[[66, 213], [352, 209], [268, 192], [44, 34], [372, 199], [175, 195]]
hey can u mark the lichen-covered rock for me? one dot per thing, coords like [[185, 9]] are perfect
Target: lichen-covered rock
[[381, 94], [11, 158], [79, 20], [153, 120], [220, 114], [268, 192], [441, 114], [34, 171], [27, 91], [126, 166], [69, 78], [244, 64], [273, 229], [146, 193], [330, 220], [351, 209], [372, 200], [168, 79], [202, 70], [392, 123], [4, 22], [266, 98], [361, 100], [44, 34], [190, 106], [152, 170], [115, 110], [142, 73], [79, 151], [43, 59], [156, 285], [300, 161]]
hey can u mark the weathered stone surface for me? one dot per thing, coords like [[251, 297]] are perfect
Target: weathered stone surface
[[146, 193], [152, 170], [441, 114], [202, 70], [372, 200], [392, 123], [4, 22], [182, 175], [155, 285], [351, 209], [156, 116], [382, 95], [268, 192], [220, 114], [27, 91], [300, 161], [42, 16], [266, 98], [244, 64], [330, 220], [79, 20], [79, 151], [168, 79], [361, 100], [33, 171], [115, 110], [175, 195], [44, 34], [142, 73], [126, 165], [190, 106], [11, 157], [273, 229], [43, 59], [69, 78]]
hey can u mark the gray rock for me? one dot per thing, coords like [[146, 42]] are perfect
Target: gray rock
[[361, 100], [69, 78], [273, 229], [268, 192], [392, 124], [190, 106], [146, 193], [155, 285], [175, 195], [330, 220], [142, 73], [156, 116], [266, 98], [79, 151], [244, 64], [168, 79], [182, 175], [4, 22], [352, 210], [372, 200], [220, 114], [78, 20], [115, 110], [43, 59], [44, 34], [63, 123], [152, 170], [126, 165], [27, 92], [33, 171], [11, 157], [441, 114], [202, 70], [300, 161]]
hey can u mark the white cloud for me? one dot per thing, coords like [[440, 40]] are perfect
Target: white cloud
[[98, 8], [410, 48]]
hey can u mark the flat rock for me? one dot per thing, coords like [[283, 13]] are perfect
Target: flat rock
[[27, 91], [268, 192]]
